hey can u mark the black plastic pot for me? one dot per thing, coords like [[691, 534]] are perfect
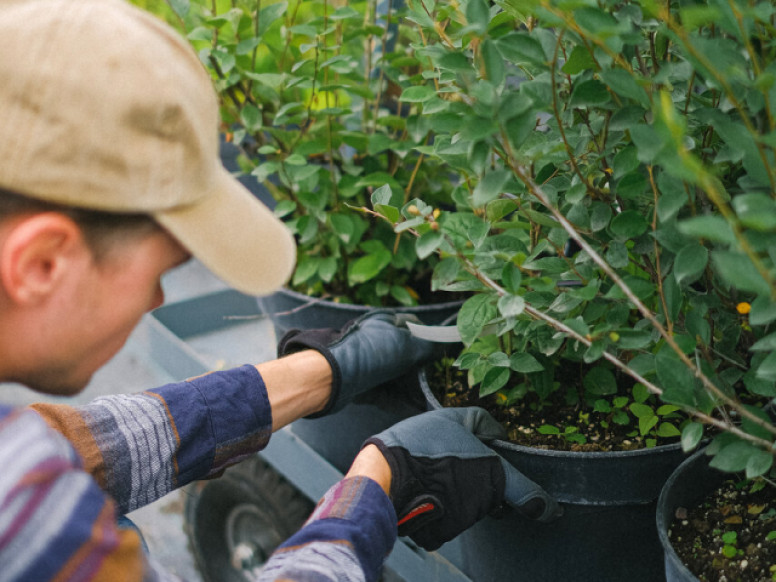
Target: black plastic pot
[[291, 310], [686, 487], [606, 534]]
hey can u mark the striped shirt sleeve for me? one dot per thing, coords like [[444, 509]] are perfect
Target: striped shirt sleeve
[[346, 539], [55, 522], [139, 447]]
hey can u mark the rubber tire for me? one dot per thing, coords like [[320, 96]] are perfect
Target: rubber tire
[[251, 493]]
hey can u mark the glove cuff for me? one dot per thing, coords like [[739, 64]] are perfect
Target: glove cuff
[[316, 340]]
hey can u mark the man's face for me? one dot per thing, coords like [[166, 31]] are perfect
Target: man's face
[[97, 315]]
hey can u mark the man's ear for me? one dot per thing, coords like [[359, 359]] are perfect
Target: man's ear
[[37, 253]]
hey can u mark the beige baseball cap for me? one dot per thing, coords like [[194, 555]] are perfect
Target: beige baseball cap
[[103, 106]]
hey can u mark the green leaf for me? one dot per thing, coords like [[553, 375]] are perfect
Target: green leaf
[[417, 94], [758, 463], [735, 457], [494, 380], [621, 417], [327, 268], [520, 127], [693, 17], [595, 20], [692, 434], [739, 272], [540, 219], [390, 212], [690, 263], [511, 277], [617, 255], [383, 195], [454, 61], [511, 305], [765, 344], [632, 185], [493, 61], [667, 409], [525, 363], [628, 225], [641, 410], [649, 143], [713, 228], [624, 83], [594, 352], [751, 427], [180, 7], [478, 14], [445, 272], [548, 429], [600, 215], [270, 14], [767, 368], [600, 381], [475, 314], [427, 243], [342, 226], [763, 311], [589, 93], [677, 379], [368, 267], [756, 211], [668, 430], [519, 48], [490, 187], [579, 60], [284, 208], [640, 393], [646, 424], [498, 359]]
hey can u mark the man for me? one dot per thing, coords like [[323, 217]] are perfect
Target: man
[[109, 177]]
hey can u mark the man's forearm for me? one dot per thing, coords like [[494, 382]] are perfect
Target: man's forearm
[[297, 385]]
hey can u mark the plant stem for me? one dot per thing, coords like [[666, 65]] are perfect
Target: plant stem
[[589, 187], [658, 270]]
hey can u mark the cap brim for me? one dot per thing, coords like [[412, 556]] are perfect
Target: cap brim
[[236, 236]]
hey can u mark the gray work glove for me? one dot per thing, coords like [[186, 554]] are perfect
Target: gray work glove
[[444, 478], [368, 351]]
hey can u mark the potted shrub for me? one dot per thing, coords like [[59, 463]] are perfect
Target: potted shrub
[[615, 226], [308, 94]]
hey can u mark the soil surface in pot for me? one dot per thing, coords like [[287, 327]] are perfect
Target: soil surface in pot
[[731, 535], [581, 428]]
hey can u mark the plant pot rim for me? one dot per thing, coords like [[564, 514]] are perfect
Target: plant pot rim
[[359, 307], [499, 443]]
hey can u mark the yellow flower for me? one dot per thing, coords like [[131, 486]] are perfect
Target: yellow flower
[[743, 308]]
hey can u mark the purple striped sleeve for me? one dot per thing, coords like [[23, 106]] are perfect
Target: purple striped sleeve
[[348, 537], [148, 444], [220, 419], [55, 521]]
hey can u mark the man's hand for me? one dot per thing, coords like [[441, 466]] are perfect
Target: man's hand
[[367, 352], [444, 479]]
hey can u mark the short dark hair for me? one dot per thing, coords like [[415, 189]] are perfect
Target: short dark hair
[[101, 229]]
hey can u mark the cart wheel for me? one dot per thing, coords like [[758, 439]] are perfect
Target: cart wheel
[[235, 522]]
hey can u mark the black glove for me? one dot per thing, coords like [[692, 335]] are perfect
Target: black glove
[[444, 479], [368, 351]]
